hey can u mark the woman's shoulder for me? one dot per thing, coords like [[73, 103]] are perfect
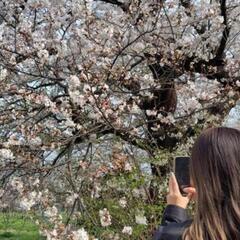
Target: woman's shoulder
[[171, 231]]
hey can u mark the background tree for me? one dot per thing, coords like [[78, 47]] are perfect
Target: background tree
[[96, 88]]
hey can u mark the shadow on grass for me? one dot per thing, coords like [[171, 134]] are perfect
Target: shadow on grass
[[7, 235]]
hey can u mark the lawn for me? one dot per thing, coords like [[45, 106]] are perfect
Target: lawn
[[17, 226]]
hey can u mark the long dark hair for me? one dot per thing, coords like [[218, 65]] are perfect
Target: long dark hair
[[215, 171]]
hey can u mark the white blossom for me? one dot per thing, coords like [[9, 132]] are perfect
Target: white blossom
[[6, 153], [36, 182], [192, 104], [3, 74], [70, 199], [73, 82], [141, 219], [36, 141], [123, 202], [43, 55], [69, 123], [151, 112], [17, 184], [95, 193], [127, 167], [127, 230], [105, 217], [86, 88], [26, 204], [80, 234], [51, 212]]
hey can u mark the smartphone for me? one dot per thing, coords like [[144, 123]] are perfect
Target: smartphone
[[181, 170]]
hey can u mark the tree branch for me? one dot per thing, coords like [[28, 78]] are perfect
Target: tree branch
[[226, 31], [123, 6]]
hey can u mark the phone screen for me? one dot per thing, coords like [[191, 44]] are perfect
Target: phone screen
[[181, 170]]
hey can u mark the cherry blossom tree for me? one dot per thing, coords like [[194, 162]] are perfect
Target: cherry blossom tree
[[91, 89]]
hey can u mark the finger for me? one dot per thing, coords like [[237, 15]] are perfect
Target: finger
[[190, 190], [173, 185], [190, 196]]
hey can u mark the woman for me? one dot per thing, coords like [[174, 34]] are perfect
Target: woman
[[215, 186]]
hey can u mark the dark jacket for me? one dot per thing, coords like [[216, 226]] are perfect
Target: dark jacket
[[174, 222]]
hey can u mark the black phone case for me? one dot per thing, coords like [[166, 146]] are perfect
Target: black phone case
[[181, 170]]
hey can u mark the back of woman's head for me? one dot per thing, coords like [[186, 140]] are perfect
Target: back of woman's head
[[215, 171]]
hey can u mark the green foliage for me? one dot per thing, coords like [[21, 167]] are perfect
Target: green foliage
[[132, 186]]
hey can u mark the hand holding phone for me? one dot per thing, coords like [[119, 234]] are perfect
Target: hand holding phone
[[174, 196]]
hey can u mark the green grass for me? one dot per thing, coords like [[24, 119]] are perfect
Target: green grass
[[17, 226]]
